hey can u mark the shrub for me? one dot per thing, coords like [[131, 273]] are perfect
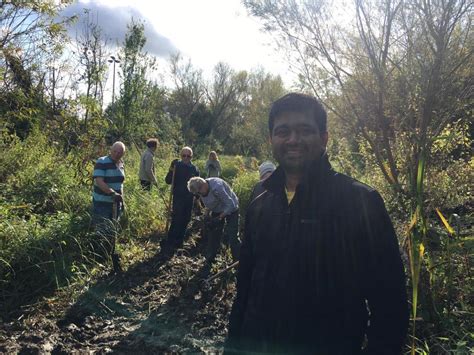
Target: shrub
[[243, 185]]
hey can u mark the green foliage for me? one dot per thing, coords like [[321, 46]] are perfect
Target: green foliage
[[243, 185], [250, 136], [386, 108], [134, 113], [46, 236]]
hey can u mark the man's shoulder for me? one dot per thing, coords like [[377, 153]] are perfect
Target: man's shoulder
[[260, 198], [186, 167], [194, 167], [216, 181], [348, 182], [104, 162], [104, 159]]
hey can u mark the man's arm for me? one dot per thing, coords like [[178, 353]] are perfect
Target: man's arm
[[226, 200], [118, 197], [244, 277], [99, 181], [169, 176], [386, 288]]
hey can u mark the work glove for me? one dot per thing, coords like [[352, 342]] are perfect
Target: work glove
[[173, 163]]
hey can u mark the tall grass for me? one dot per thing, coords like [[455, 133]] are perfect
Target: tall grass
[[444, 258], [46, 236]]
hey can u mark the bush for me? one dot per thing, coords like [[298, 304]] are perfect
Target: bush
[[243, 185], [46, 236]]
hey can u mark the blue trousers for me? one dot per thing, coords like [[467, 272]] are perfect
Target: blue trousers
[[105, 224]]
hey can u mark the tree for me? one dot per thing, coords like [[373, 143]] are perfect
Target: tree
[[92, 57], [395, 74], [30, 36], [226, 95], [250, 136], [128, 114], [187, 96]]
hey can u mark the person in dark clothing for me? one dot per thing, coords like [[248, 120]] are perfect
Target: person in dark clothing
[[320, 267], [183, 170]]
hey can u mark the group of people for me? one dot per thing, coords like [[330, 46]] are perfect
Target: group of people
[[319, 266]]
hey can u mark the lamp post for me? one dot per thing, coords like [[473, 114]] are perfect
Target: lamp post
[[113, 60]]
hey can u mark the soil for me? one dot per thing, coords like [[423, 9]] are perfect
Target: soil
[[159, 305]]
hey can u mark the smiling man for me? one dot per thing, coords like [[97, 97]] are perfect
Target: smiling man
[[319, 253]]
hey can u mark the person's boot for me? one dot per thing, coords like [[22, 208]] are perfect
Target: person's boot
[[116, 263]]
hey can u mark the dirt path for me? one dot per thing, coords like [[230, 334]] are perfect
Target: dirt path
[[159, 305]]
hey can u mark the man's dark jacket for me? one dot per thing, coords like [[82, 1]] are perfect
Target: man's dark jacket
[[182, 174], [307, 269]]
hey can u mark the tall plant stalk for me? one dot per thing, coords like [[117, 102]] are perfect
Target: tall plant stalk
[[416, 244]]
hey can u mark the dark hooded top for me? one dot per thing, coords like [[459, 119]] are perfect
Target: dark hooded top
[[312, 270]]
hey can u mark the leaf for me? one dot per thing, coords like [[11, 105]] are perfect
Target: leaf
[[422, 250], [445, 222], [413, 221]]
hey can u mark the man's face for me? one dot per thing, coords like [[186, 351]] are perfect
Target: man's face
[[203, 190], [296, 141], [117, 152], [186, 156]]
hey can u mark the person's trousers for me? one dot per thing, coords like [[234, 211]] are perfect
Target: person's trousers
[[105, 224], [182, 208], [228, 233]]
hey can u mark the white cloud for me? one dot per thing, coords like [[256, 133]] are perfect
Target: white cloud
[[206, 31], [114, 20]]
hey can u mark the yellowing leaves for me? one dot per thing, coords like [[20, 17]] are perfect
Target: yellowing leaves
[[445, 222]]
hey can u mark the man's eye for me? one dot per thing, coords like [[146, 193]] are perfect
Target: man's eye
[[281, 132]]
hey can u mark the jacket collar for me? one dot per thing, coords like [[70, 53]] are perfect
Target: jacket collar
[[314, 175]]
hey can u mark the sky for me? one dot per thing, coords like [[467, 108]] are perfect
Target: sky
[[205, 31]]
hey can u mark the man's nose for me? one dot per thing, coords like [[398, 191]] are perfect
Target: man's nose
[[293, 137]]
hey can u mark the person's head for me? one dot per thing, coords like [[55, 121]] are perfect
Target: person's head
[[213, 155], [152, 143], [198, 185], [298, 131], [117, 151], [266, 169], [186, 154]]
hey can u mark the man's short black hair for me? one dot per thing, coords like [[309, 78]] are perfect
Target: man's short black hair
[[297, 102], [152, 143]]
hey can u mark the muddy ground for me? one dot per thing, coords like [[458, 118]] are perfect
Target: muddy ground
[[159, 305]]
